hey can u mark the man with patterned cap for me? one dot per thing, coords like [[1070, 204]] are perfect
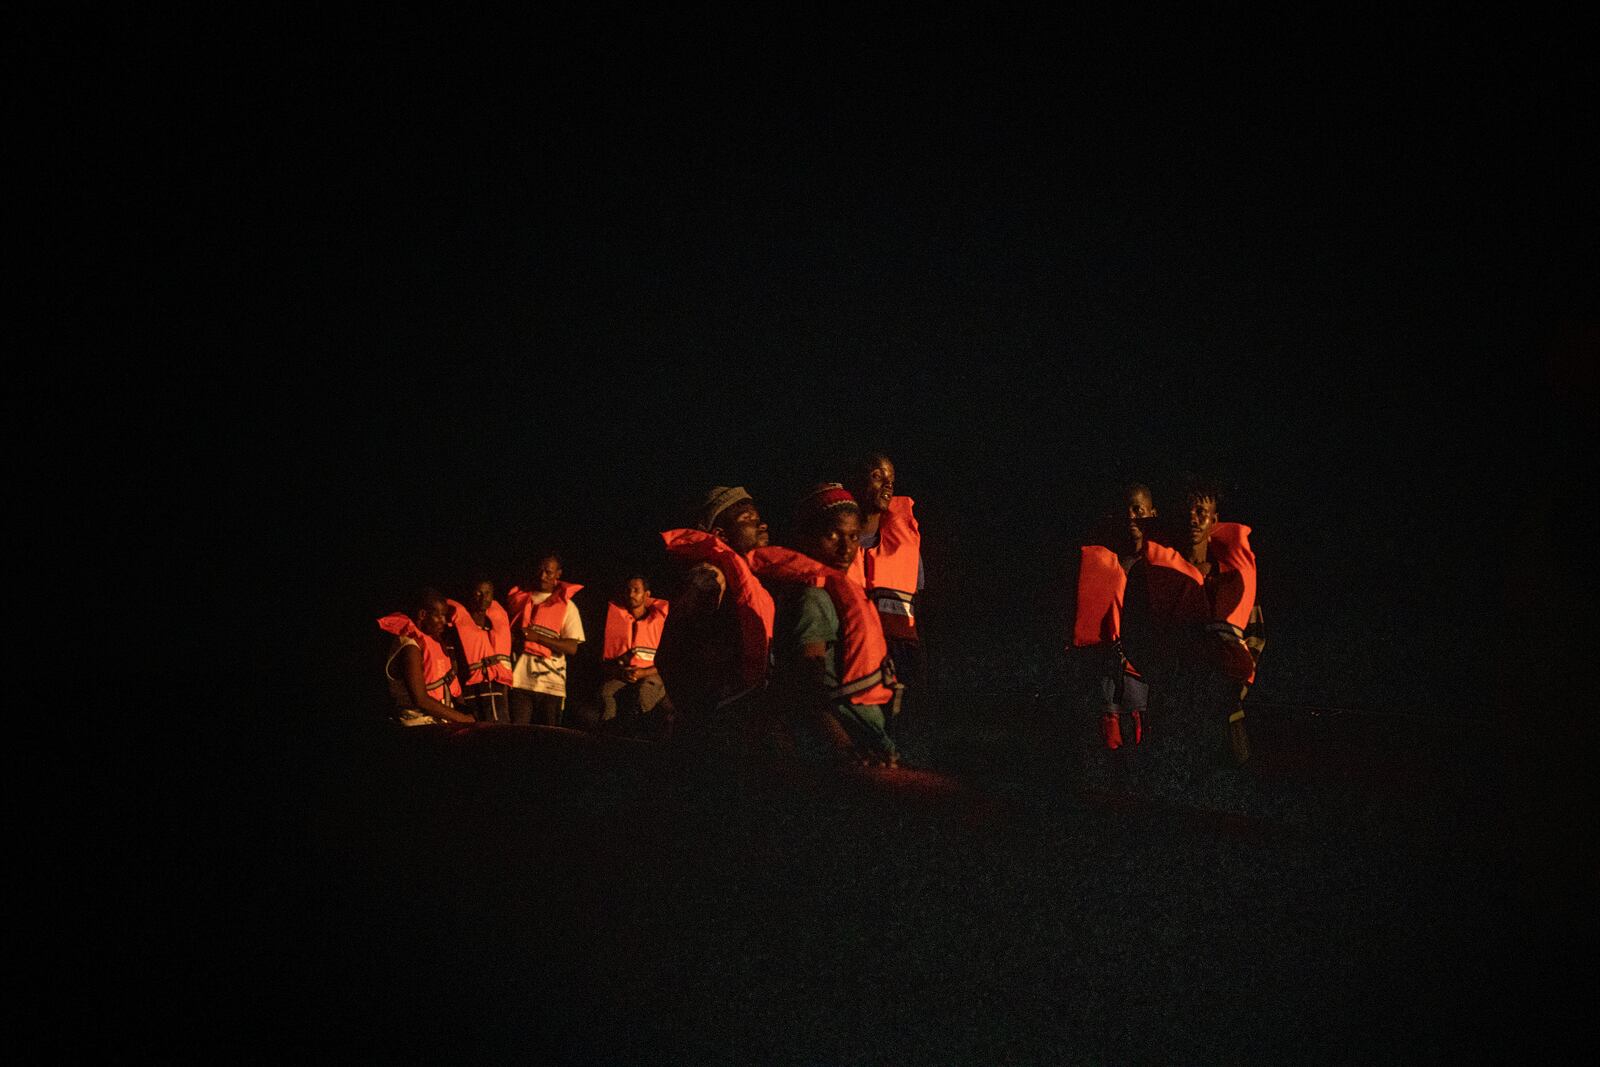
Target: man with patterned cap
[[833, 674], [714, 646]]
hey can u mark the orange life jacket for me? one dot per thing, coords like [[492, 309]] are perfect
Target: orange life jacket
[[540, 619], [438, 674], [1232, 593], [866, 672], [1181, 595], [752, 604], [1101, 585], [1233, 589], [637, 639], [487, 652], [888, 570], [1101, 581]]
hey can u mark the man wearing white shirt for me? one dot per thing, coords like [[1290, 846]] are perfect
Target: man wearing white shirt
[[546, 629]]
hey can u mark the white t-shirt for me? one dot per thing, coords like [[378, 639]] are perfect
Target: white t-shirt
[[548, 674]]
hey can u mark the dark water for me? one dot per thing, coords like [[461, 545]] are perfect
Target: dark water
[[527, 893]]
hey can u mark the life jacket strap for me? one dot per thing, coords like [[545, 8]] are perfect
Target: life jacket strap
[[892, 602], [740, 695], [884, 676]]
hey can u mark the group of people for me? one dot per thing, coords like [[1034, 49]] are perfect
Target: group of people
[[1166, 615], [810, 647], [805, 647]]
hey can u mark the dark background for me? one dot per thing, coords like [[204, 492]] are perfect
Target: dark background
[[418, 297], [504, 293]]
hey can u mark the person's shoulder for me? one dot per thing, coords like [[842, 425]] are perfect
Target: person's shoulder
[[811, 610]]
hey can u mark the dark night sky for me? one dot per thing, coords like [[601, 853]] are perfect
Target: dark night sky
[[493, 287]]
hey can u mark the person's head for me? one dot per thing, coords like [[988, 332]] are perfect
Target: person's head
[[636, 593], [827, 525], [1136, 503], [480, 594], [730, 513], [872, 482], [546, 572], [430, 612], [1200, 503]]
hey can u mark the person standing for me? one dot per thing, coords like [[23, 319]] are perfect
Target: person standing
[[483, 633], [889, 565], [1196, 624], [1097, 624], [546, 627]]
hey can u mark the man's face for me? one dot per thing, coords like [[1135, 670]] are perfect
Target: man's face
[[638, 594], [1139, 506], [482, 596], [549, 574], [876, 487], [433, 618], [1202, 517], [742, 528], [837, 545]]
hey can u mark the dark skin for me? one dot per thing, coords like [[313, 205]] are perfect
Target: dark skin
[[834, 545], [1137, 505], [740, 527], [873, 488], [545, 579], [636, 598], [1202, 520], [431, 620], [482, 595]]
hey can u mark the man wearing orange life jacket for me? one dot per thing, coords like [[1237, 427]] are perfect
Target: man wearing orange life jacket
[[1205, 632], [422, 680], [715, 644], [483, 634], [1097, 625], [834, 675], [889, 565], [632, 638], [546, 629]]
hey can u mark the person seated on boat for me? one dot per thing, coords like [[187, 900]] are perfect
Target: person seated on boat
[[833, 678], [422, 680], [714, 646], [633, 691]]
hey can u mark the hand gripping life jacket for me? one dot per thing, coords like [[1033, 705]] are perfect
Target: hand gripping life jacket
[[752, 604], [487, 652], [438, 676], [539, 620], [888, 570], [866, 673], [633, 641]]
